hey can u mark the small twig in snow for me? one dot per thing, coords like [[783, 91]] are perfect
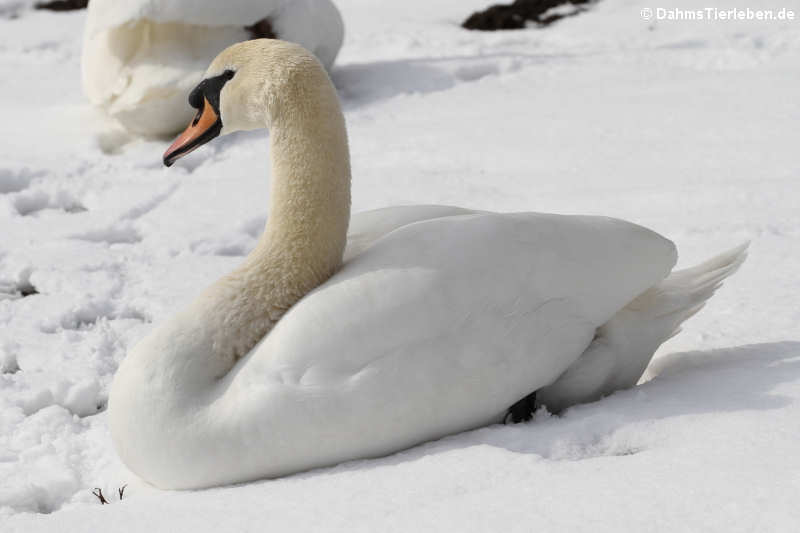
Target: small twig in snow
[[99, 493]]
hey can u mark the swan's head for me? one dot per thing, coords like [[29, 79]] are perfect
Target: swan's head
[[244, 89]]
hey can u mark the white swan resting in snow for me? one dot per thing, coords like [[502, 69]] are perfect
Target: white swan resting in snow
[[141, 57], [325, 346]]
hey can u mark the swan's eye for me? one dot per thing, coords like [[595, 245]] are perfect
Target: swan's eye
[[197, 117], [228, 74]]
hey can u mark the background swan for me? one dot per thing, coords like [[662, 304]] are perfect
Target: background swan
[[439, 320], [141, 57]]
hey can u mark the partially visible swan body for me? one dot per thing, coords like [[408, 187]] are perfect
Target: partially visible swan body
[[141, 57], [326, 346]]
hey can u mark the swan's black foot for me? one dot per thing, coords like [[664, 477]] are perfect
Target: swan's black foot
[[522, 411]]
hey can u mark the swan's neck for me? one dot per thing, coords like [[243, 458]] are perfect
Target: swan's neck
[[310, 190], [306, 233]]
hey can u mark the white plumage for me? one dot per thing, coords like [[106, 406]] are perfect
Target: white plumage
[[438, 320], [141, 57]]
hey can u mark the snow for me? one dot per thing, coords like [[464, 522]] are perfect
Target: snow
[[687, 127]]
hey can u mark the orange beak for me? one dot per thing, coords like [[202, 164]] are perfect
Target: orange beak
[[205, 126]]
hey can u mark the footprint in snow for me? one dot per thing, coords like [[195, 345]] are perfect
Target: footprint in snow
[[20, 286], [87, 315], [119, 233], [32, 202], [17, 179], [18, 183]]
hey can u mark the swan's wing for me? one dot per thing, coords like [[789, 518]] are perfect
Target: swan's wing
[[140, 58], [442, 324], [315, 24], [367, 227], [436, 271], [106, 14]]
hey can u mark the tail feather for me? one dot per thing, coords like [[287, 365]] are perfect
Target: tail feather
[[684, 292], [624, 345]]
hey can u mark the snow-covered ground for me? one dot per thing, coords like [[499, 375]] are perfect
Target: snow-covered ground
[[691, 128]]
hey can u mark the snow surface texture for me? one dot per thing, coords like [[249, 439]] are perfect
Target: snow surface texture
[[689, 128]]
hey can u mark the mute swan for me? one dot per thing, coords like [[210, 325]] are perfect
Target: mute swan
[[141, 57], [437, 320]]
